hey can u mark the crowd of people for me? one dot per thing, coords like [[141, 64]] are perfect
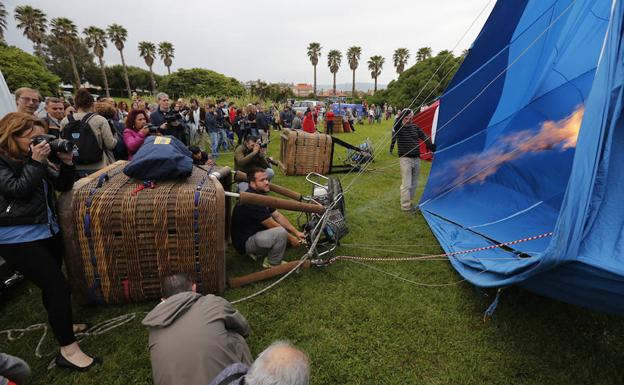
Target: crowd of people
[[193, 339]]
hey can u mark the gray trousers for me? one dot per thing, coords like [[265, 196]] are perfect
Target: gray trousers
[[410, 170], [271, 242]]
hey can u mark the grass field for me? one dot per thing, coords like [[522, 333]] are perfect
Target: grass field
[[360, 325]]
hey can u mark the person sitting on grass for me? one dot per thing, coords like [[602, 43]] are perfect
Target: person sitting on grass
[[193, 337], [279, 364], [260, 229]]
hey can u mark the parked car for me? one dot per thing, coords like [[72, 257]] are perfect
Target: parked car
[[303, 105]]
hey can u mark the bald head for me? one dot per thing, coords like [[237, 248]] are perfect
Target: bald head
[[280, 364]]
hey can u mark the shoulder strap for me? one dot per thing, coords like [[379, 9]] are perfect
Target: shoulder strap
[[87, 117], [70, 117]]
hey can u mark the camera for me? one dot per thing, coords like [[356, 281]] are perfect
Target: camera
[[264, 144], [56, 145], [153, 130], [172, 117]]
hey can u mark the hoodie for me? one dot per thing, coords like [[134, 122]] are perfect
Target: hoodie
[[192, 338]]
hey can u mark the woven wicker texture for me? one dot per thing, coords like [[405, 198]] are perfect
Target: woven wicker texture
[[121, 244], [302, 152]]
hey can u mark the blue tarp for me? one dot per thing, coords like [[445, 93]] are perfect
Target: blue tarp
[[509, 166]]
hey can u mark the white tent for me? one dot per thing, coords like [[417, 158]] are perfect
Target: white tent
[[7, 103]]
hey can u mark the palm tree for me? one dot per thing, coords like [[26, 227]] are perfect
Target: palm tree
[[334, 57], [34, 24], [375, 64], [400, 57], [314, 52], [95, 38], [66, 33], [147, 51], [423, 53], [3, 22], [165, 50], [117, 35], [353, 56]]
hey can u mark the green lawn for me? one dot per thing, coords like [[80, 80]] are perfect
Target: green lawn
[[361, 326]]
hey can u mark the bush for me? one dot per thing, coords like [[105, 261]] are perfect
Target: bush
[[21, 69], [199, 81]]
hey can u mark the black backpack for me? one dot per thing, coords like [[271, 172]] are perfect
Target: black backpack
[[81, 135]]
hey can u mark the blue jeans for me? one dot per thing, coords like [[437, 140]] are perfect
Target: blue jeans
[[214, 143], [223, 142]]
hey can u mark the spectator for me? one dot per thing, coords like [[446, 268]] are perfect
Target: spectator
[[279, 364], [69, 109], [262, 123], [106, 140], [27, 100], [406, 135], [251, 127], [239, 125], [122, 110], [220, 118], [275, 117], [350, 119], [106, 109], [195, 119], [30, 237], [193, 337], [259, 229], [297, 123], [157, 118], [249, 156], [287, 117], [135, 132], [308, 122], [213, 130], [54, 114], [329, 121], [13, 370]]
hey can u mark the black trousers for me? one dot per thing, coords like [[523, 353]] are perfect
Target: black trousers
[[40, 262]]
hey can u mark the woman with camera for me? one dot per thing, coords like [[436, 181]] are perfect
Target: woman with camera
[[135, 132], [30, 238]]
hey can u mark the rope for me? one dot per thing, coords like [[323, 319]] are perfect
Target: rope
[[433, 256], [95, 330]]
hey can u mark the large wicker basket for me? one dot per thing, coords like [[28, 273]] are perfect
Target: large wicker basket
[[302, 152], [121, 242]]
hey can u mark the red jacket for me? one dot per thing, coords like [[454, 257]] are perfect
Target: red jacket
[[308, 123]]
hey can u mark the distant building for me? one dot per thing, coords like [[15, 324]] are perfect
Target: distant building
[[302, 90], [330, 93]]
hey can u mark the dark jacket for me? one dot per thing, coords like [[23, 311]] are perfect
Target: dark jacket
[[210, 120], [157, 118], [192, 338], [262, 123], [406, 138], [22, 196]]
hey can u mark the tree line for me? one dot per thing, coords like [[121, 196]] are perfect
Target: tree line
[[353, 55], [61, 31]]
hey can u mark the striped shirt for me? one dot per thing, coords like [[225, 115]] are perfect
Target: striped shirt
[[407, 140]]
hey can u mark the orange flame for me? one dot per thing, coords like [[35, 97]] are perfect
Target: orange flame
[[475, 167]]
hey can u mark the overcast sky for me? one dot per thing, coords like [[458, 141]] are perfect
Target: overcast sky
[[268, 39]]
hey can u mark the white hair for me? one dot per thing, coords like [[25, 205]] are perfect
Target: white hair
[[161, 95], [279, 364]]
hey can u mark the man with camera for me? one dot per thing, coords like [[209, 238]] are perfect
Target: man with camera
[[258, 229], [168, 121], [250, 155]]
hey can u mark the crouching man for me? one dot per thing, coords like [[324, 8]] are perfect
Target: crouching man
[[262, 230], [193, 337]]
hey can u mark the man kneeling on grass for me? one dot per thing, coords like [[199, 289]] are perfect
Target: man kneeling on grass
[[193, 337], [262, 230]]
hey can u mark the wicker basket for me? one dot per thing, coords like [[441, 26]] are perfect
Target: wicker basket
[[338, 128], [302, 152], [120, 242]]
